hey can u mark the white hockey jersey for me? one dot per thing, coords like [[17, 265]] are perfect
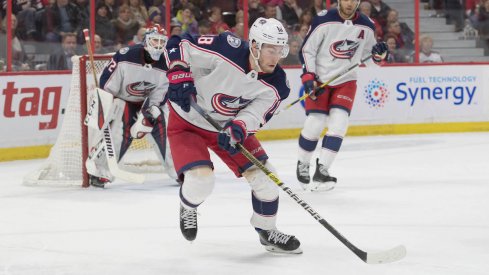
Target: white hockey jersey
[[226, 87], [333, 44], [128, 77]]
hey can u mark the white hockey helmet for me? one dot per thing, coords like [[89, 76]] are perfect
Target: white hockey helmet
[[269, 31], [155, 41]]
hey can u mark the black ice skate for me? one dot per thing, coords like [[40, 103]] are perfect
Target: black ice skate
[[188, 223], [321, 179], [276, 241], [303, 174], [98, 182]]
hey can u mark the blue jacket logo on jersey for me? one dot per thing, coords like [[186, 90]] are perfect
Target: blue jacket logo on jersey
[[141, 88], [228, 105], [344, 49]]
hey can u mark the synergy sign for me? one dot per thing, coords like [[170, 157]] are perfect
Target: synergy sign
[[420, 94]]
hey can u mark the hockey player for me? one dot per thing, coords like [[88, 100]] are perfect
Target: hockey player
[[240, 86], [337, 39], [136, 77]]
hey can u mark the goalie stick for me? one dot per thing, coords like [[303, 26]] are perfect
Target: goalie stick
[[107, 144], [387, 256], [316, 90]]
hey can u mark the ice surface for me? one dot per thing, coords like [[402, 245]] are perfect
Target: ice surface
[[427, 192]]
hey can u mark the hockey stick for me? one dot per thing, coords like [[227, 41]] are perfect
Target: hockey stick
[[107, 143], [387, 256], [316, 90]]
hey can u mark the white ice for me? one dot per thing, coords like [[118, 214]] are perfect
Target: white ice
[[427, 192]]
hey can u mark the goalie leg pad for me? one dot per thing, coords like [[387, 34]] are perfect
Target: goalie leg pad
[[197, 186], [264, 197]]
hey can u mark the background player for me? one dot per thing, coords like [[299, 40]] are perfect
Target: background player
[[136, 76], [239, 86], [337, 39]]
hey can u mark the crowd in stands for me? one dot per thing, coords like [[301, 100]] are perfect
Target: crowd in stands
[[46, 33]]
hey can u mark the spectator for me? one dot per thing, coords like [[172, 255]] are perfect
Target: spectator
[[160, 6], [271, 11], [291, 12], [20, 61], [484, 24], [317, 7], [113, 8], [393, 16], [426, 54], [125, 26], [104, 26], [25, 10], [154, 17], [255, 10], [454, 14], [366, 8], [303, 31], [139, 12], [404, 41], [175, 28], [204, 27], [98, 45], [305, 18], [293, 56], [138, 38], [61, 59], [217, 25], [239, 30], [187, 20], [379, 11], [395, 54], [61, 17]]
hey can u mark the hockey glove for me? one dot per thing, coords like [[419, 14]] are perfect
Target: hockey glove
[[379, 52], [233, 132], [308, 80], [181, 87], [145, 121]]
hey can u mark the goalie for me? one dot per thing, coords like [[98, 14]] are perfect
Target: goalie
[[131, 102]]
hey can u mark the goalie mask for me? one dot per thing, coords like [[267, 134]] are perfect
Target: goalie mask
[[155, 41]]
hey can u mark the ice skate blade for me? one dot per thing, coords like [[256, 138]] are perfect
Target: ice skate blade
[[277, 250], [322, 186]]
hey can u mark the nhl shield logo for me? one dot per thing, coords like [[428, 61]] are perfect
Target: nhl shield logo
[[234, 41]]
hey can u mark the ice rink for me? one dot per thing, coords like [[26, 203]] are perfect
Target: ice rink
[[427, 192]]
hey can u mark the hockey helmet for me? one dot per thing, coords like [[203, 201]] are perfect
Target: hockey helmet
[[269, 31], [155, 41]]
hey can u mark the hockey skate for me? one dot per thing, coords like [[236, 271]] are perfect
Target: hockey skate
[[98, 181], [188, 223], [322, 181], [303, 174], [276, 241]]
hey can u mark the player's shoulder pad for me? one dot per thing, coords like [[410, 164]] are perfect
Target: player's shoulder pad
[[131, 53], [278, 79], [364, 20]]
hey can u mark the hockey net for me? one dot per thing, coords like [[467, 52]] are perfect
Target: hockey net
[[65, 165]]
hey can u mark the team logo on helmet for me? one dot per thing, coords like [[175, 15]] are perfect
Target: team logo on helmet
[[262, 21], [233, 41], [141, 88], [228, 105], [344, 49]]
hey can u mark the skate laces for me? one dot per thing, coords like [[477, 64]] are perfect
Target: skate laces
[[323, 170], [276, 236], [303, 168], [189, 217]]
